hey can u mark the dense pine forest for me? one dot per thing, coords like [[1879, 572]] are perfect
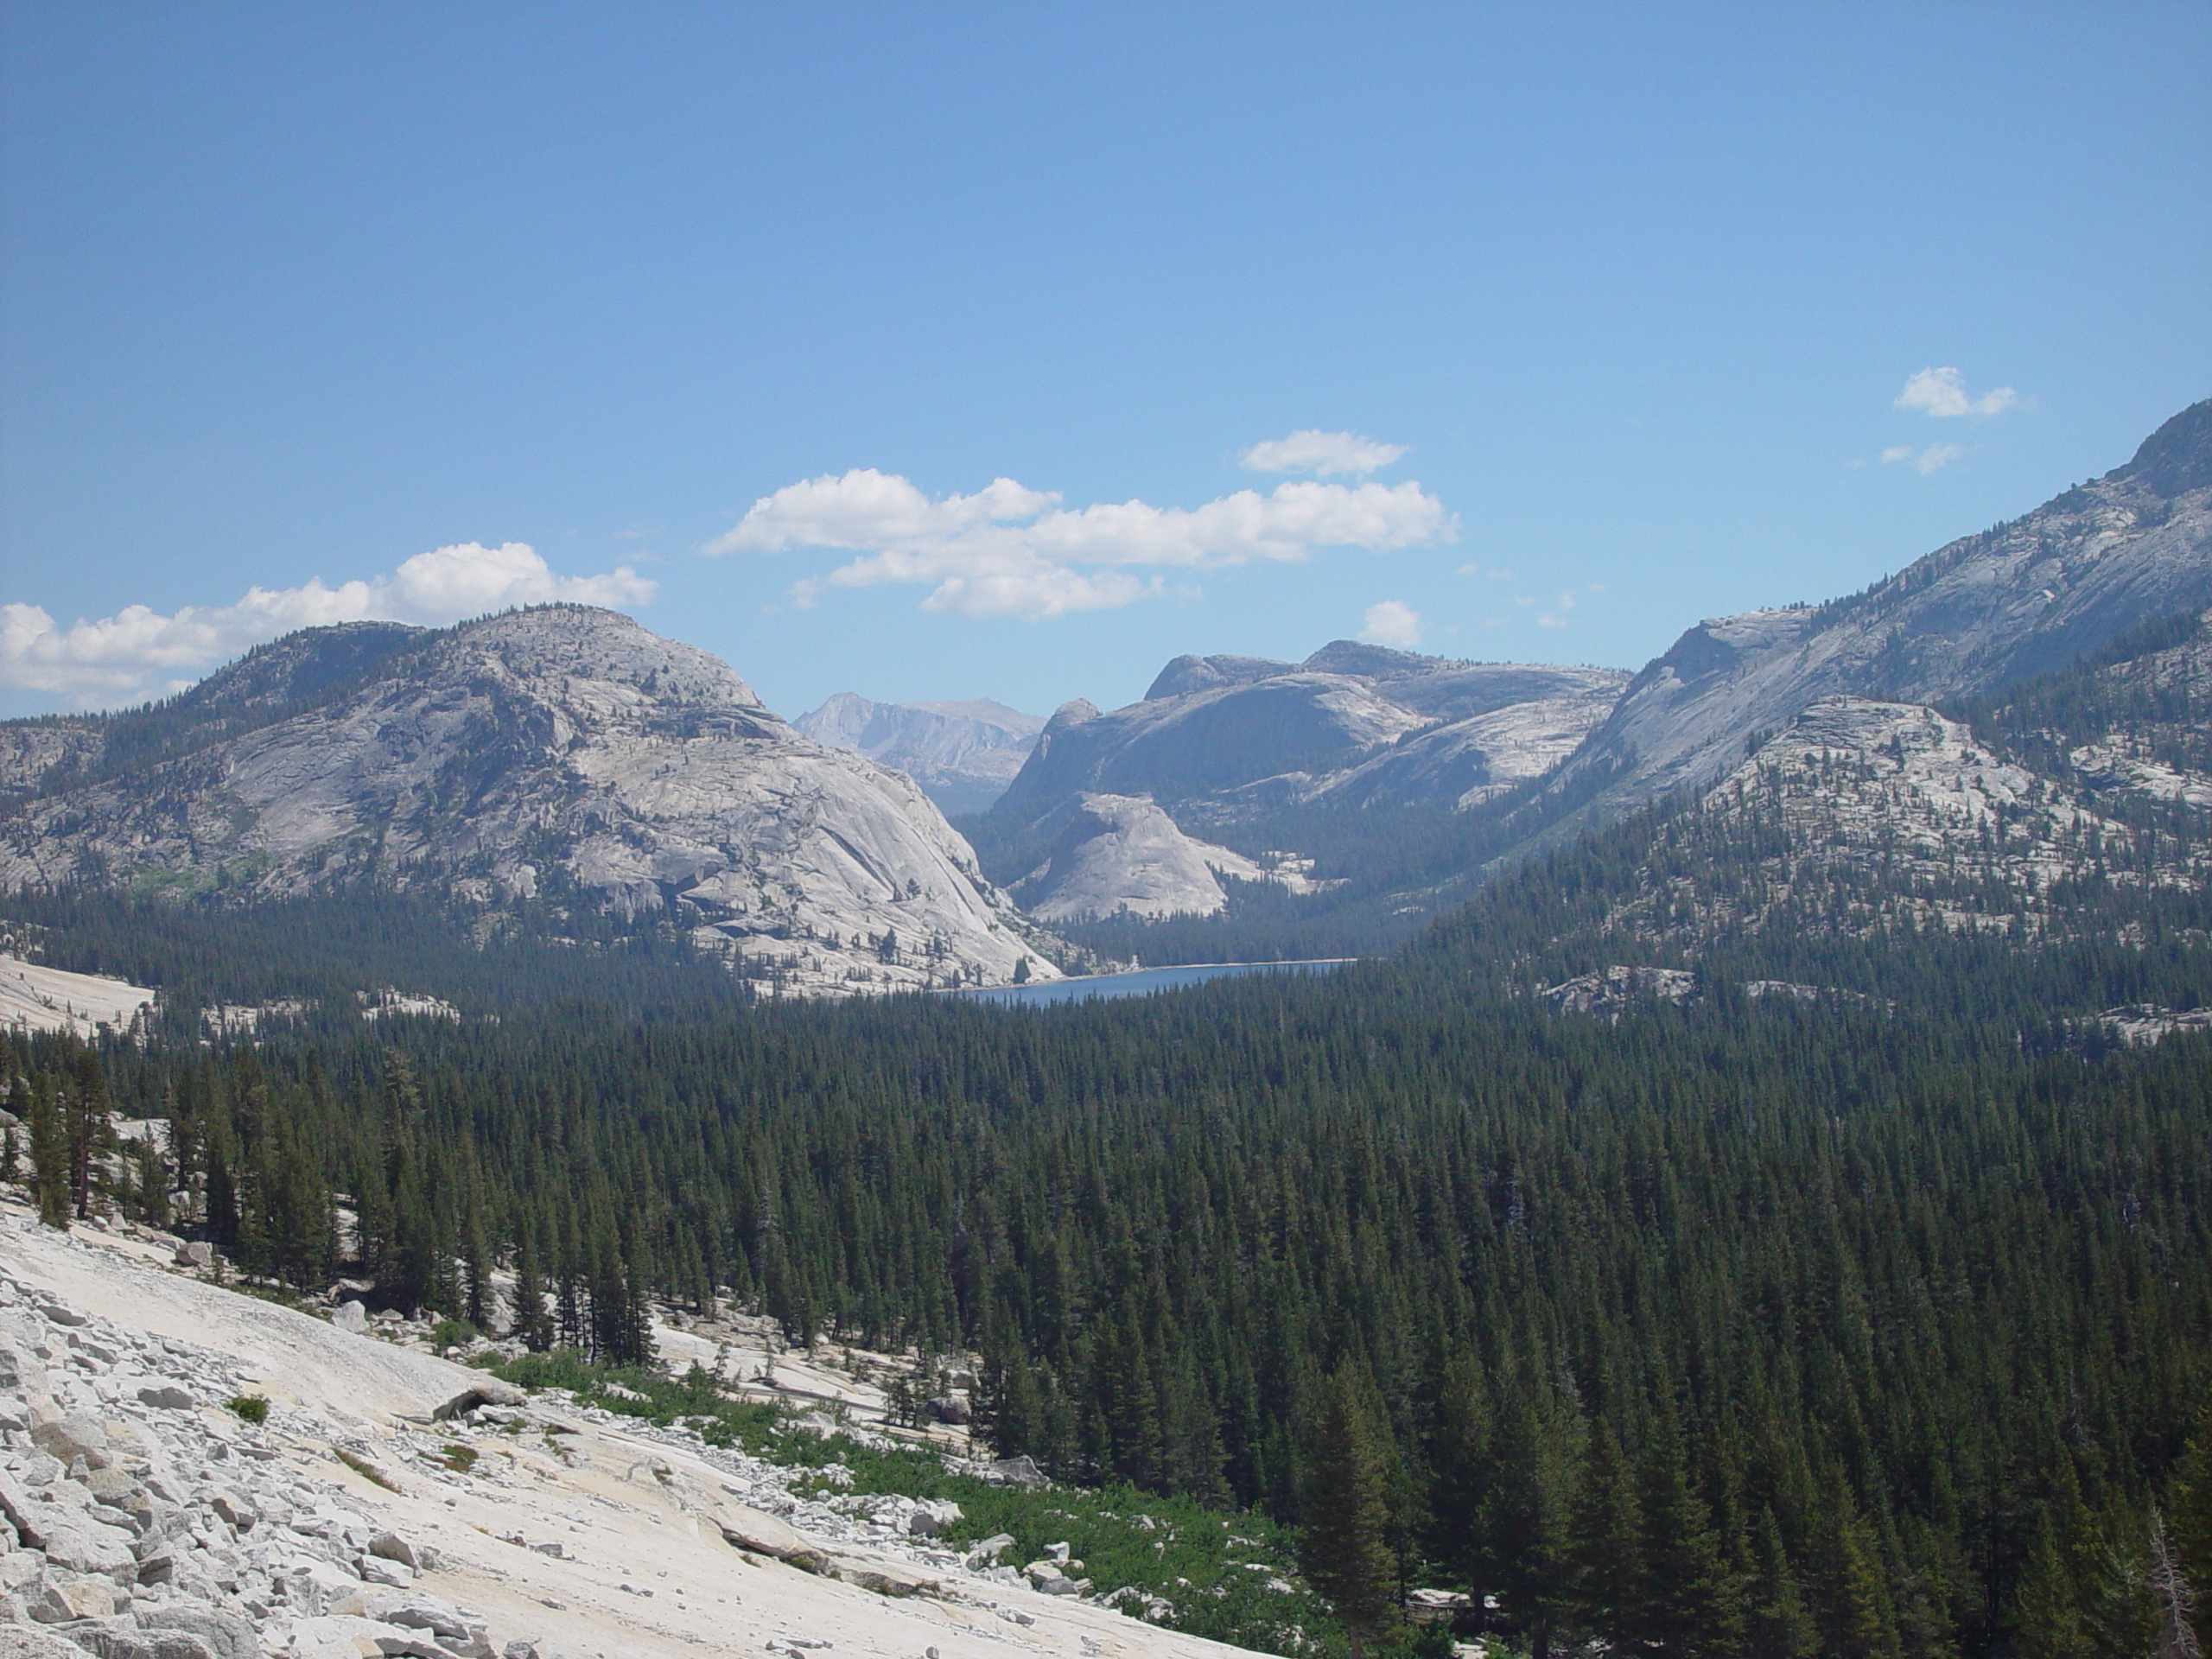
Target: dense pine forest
[[1735, 1327]]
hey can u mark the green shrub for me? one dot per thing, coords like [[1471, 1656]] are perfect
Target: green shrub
[[253, 1408]]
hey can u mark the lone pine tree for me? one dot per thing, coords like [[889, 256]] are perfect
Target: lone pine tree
[[1343, 1545]]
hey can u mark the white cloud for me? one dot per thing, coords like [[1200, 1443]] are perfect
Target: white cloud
[[1932, 459], [1392, 623], [1006, 551], [1320, 453], [1556, 617], [138, 653], [1944, 392]]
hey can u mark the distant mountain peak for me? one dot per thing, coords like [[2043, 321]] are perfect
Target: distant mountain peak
[[2177, 457], [962, 754]]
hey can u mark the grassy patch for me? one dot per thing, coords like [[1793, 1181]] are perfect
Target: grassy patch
[[252, 1407], [692, 1399], [458, 1457], [366, 1470], [1222, 1574]]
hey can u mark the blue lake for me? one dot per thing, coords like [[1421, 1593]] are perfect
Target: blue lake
[[1144, 982]]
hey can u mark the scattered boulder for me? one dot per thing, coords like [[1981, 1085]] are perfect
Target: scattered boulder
[[933, 1516], [418, 1611], [67, 1439], [196, 1254], [1016, 1472], [65, 1596], [27, 1641], [392, 1548], [987, 1553], [352, 1317], [396, 1575], [225, 1634], [489, 1392], [168, 1396], [1438, 1606]]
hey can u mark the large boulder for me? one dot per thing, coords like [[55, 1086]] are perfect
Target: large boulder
[[884, 1578], [65, 1439], [488, 1392], [764, 1535]]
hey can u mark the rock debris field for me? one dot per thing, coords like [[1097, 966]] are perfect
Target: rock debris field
[[391, 1502]]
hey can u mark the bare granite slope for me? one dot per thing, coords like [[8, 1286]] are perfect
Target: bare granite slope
[[1986, 611], [392, 1502], [562, 753]]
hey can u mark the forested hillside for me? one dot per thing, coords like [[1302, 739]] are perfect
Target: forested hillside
[[1736, 1326]]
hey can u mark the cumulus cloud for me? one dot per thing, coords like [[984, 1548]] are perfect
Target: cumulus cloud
[[1006, 551], [1944, 392], [138, 653], [1323, 454], [1392, 623], [1932, 459]]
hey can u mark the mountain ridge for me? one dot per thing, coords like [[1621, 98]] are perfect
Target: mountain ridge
[[561, 753]]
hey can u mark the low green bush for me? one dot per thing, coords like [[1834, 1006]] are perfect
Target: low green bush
[[253, 1408]]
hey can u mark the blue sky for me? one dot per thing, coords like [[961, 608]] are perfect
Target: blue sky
[[1627, 303]]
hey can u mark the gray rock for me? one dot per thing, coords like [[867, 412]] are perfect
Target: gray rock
[[168, 1396], [764, 1535], [60, 1597], [21, 1569], [196, 1254], [933, 1516], [114, 1639], [393, 1547], [397, 1575], [226, 1635], [71, 1436], [1016, 1472], [352, 1317], [988, 1551], [414, 1611], [489, 1392], [26, 1641], [87, 1546]]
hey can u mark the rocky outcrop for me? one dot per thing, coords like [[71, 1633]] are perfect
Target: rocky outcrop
[[961, 755], [37, 998], [1976, 616], [1121, 855], [563, 755]]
